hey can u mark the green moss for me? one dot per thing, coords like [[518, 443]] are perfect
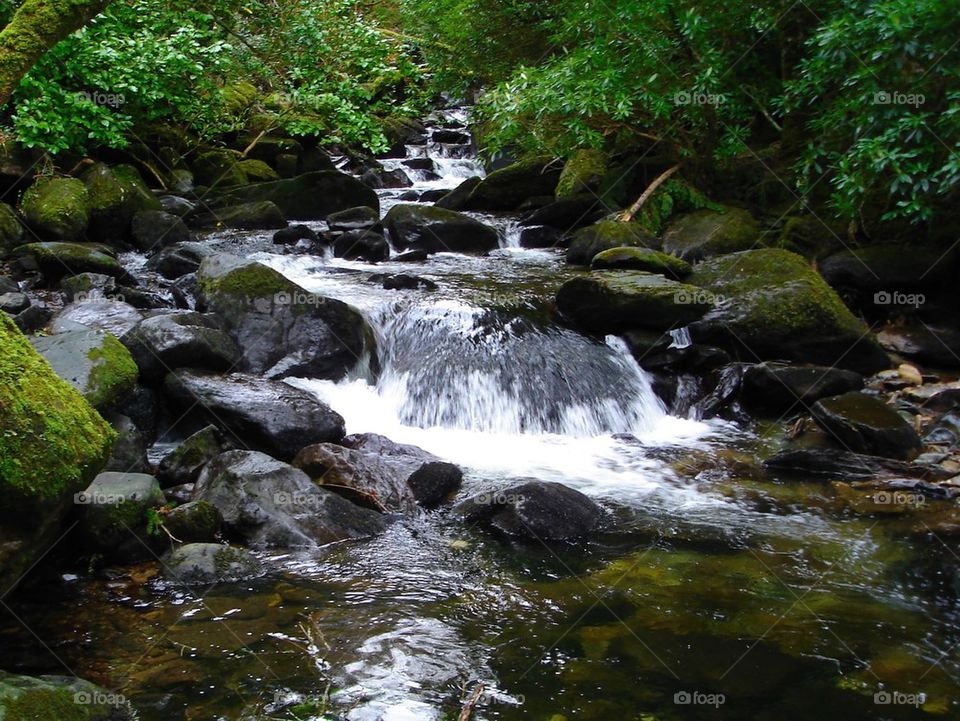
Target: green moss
[[11, 232], [588, 242], [114, 374], [52, 442], [251, 281], [257, 171], [239, 96], [57, 208], [45, 704], [582, 173], [671, 198], [652, 261]]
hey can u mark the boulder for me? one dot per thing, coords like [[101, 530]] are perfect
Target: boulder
[[35, 698], [129, 453], [379, 179], [194, 522], [184, 463], [116, 195], [540, 236], [164, 343], [257, 171], [779, 388], [457, 198], [507, 188], [153, 229], [567, 214], [175, 205], [362, 245], [261, 414], [269, 504], [88, 286], [924, 343], [33, 318], [651, 261], [834, 464], [14, 303], [582, 172], [218, 168], [895, 268], [204, 564], [864, 424], [312, 196], [609, 234], [621, 300], [93, 362], [11, 230], [293, 234], [707, 233], [52, 443], [451, 137], [282, 329], [57, 209], [362, 218], [437, 230], [114, 515], [56, 260], [257, 215], [535, 510], [113, 316], [777, 307], [179, 260]]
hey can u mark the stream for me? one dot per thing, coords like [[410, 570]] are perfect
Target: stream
[[715, 593]]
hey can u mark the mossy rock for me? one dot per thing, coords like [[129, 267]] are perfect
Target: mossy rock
[[606, 235], [116, 195], [56, 260], [194, 522], [507, 188], [583, 172], [239, 96], [777, 307], [57, 209], [651, 261], [811, 237], [59, 698], [219, 168], [865, 424], [257, 171], [52, 443], [706, 233], [207, 563], [184, 463], [670, 199], [257, 215], [115, 507], [93, 362], [11, 231], [621, 300]]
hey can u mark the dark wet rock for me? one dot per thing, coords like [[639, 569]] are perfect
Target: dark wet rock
[[402, 281], [116, 195], [267, 149], [779, 388], [901, 268], [567, 214], [939, 397], [282, 329], [129, 454], [184, 463], [437, 230], [14, 303], [115, 510], [507, 188], [721, 400], [33, 318], [113, 316], [540, 236], [202, 564], [776, 307], [657, 351], [194, 522], [218, 168], [164, 343], [535, 510], [707, 233], [153, 229], [583, 172], [362, 245], [609, 234], [312, 196], [257, 215], [933, 345], [57, 260], [454, 137], [402, 132], [25, 698], [621, 300], [412, 256], [88, 286], [179, 260], [865, 424], [8, 285], [11, 230], [262, 414], [420, 164], [456, 199], [386, 179], [175, 205], [93, 362], [411, 196], [832, 464], [266, 503], [293, 234], [57, 209], [362, 218], [435, 482], [651, 261]]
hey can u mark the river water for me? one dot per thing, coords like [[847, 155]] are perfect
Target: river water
[[717, 593]]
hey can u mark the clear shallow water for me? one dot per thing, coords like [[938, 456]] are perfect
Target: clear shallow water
[[716, 581]]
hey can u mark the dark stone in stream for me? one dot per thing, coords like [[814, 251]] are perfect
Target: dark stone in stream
[[412, 256], [507, 188], [724, 393], [311, 196], [203, 564], [194, 522], [175, 205], [184, 463], [33, 318], [360, 218], [432, 196], [936, 346], [832, 464], [113, 517], [420, 164], [293, 233], [457, 198], [262, 414], [436, 230], [536, 510], [129, 454], [378, 179], [267, 504], [14, 303], [402, 281], [567, 214], [179, 260], [256, 215], [540, 236], [164, 343], [362, 245], [780, 388], [153, 229], [865, 424]]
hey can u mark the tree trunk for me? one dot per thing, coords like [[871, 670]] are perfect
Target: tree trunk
[[35, 28]]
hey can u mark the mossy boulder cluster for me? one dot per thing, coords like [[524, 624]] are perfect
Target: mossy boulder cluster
[[115, 195], [312, 196], [57, 209]]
